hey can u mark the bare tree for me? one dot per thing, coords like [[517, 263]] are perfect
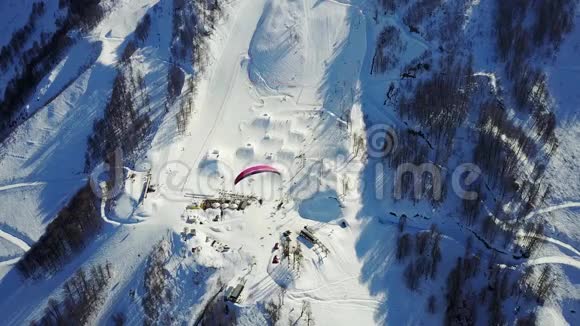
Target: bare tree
[[307, 309], [298, 258], [546, 284], [83, 295], [528, 320], [432, 304], [274, 311], [402, 222], [119, 319], [412, 276], [404, 246], [285, 248]]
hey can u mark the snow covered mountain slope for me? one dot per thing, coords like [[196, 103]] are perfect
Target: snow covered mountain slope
[[181, 95], [42, 161]]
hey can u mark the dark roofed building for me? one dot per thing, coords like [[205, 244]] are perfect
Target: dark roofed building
[[235, 294]]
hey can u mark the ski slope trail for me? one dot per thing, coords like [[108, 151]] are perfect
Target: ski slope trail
[[33, 184], [562, 244], [218, 95], [358, 303], [21, 185], [571, 204], [282, 86], [114, 222], [17, 242], [9, 262], [104, 213], [559, 260]]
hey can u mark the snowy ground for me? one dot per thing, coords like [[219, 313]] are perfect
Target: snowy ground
[[283, 88], [246, 118]]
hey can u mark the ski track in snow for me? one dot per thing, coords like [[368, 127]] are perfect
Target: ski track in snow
[[17, 242], [22, 185], [114, 222], [215, 122], [232, 78], [570, 204], [104, 215], [38, 183], [562, 244], [223, 84], [303, 292], [358, 303], [561, 260], [9, 262]]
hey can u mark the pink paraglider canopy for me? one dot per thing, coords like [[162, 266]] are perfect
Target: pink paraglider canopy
[[255, 170]]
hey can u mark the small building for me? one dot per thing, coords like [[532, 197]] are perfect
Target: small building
[[193, 206], [234, 295], [242, 205], [307, 234]]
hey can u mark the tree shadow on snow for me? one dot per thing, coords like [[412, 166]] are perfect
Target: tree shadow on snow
[[375, 246]]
